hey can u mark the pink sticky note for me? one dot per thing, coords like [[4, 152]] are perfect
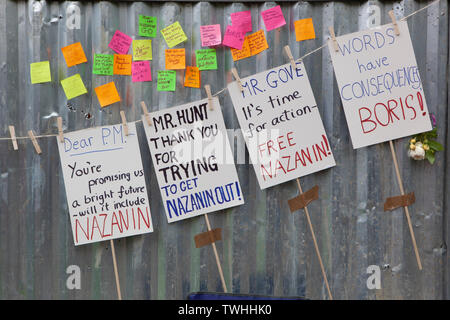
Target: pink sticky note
[[243, 20], [273, 18], [210, 35], [140, 71], [120, 42], [233, 37]]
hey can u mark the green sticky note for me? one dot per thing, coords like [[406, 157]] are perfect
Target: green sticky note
[[142, 50], [206, 59], [40, 72], [73, 86], [147, 26], [167, 80], [103, 64]]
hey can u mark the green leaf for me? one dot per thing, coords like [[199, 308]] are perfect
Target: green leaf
[[435, 145], [430, 157]]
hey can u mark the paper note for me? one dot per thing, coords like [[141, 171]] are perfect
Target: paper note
[[105, 184], [210, 35], [233, 37], [173, 34], [122, 64], [167, 80], [241, 54], [103, 64], [73, 86], [74, 54], [273, 18], [192, 77], [140, 71], [120, 42], [253, 44], [190, 154], [142, 50], [206, 59], [175, 59], [40, 72], [147, 26], [107, 94], [242, 20], [304, 29]]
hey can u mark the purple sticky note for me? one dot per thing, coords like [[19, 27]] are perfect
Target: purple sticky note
[[273, 18], [234, 37], [120, 42], [210, 35], [243, 20], [140, 71]]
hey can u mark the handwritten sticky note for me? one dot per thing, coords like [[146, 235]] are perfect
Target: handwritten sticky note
[[167, 80], [192, 77], [147, 26], [210, 35], [103, 64], [273, 18], [233, 37], [40, 72], [242, 20], [107, 94], [206, 59], [173, 34], [120, 42], [253, 44], [122, 64], [304, 29], [73, 86], [74, 54], [142, 50], [140, 71], [241, 54], [175, 59]]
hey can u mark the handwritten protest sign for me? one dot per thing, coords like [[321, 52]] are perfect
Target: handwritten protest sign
[[73, 86], [254, 44], [380, 85], [206, 59], [120, 42], [107, 94], [304, 29], [273, 18], [142, 50], [173, 34], [122, 64], [210, 35], [147, 26], [281, 125], [103, 64], [167, 80], [192, 77], [40, 72], [242, 20], [190, 152], [140, 71], [175, 59], [74, 54], [106, 199], [233, 37]]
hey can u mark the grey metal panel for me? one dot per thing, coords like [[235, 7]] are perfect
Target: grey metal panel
[[265, 249]]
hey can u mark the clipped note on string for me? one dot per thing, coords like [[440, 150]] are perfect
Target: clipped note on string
[[304, 29], [192, 77], [206, 59], [103, 64], [34, 142], [147, 26], [142, 50], [175, 59], [12, 132], [107, 94], [40, 72], [74, 54], [140, 71], [120, 42], [173, 34], [167, 80], [73, 86], [273, 18], [122, 64], [210, 35]]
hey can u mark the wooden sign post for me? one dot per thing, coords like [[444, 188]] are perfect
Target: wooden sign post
[[116, 272]]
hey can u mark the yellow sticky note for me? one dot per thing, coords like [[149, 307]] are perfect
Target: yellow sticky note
[[107, 94], [74, 54], [142, 50], [192, 77], [304, 29], [40, 72], [173, 34], [175, 59], [73, 86]]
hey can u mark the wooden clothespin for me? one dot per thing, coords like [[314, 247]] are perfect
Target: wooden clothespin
[[333, 38], [210, 98], [146, 114], [124, 122], [12, 131], [238, 79], [34, 141], [60, 129], [394, 22], [288, 52]]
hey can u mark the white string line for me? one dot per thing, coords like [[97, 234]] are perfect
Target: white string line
[[224, 89]]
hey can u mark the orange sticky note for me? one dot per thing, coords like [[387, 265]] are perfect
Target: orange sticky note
[[122, 64], [304, 29], [192, 77], [74, 54], [257, 42], [175, 59], [107, 94]]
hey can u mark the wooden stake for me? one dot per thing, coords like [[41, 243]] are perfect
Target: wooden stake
[[60, 129], [315, 243], [402, 191], [116, 273], [219, 266], [12, 132]]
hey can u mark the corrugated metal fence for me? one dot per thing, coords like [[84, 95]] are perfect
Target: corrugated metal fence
[[266, 249]]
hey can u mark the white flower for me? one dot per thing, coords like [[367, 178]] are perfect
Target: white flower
[[418, 153]]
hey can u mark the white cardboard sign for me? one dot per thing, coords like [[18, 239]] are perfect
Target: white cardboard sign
[[193, 161], [281, 125], [105, 184], [380, 85]]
